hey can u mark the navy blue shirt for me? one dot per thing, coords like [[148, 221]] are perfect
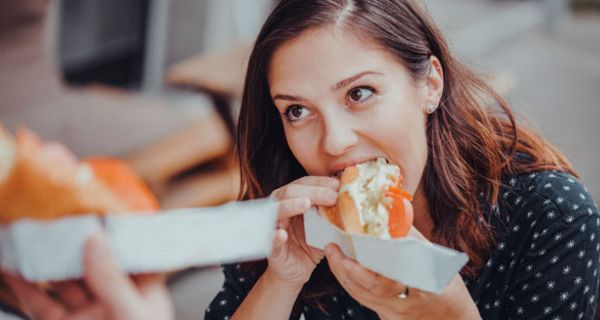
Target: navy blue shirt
[[544, 266]]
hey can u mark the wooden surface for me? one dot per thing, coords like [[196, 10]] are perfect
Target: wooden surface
[[219, 73]]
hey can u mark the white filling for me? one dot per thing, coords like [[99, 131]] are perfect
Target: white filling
[[368, 194]]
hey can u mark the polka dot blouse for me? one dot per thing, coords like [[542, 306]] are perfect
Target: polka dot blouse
[[544, 266]]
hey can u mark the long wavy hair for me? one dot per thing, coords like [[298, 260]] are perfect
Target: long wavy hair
[[473, 137]]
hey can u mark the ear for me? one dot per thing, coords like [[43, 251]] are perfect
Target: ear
[[434, 84]]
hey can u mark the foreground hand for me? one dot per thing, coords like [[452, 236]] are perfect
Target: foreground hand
[[105, 293], [391, 300], [292, 260]]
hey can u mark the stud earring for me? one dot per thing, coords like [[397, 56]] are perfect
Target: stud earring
[[431, 108]]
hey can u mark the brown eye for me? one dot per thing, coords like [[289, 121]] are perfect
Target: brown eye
[[296, 112], [360, 94]]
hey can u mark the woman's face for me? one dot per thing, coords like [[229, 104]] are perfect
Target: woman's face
[[344, 101]]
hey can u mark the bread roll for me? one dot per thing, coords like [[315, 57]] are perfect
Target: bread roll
[[45, 181]]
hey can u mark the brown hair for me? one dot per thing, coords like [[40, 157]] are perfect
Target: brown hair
[[473, 138]]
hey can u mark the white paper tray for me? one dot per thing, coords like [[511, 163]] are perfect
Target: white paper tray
[[415, 263], [171, 240]]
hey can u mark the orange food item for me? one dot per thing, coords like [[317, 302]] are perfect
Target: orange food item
[[121, 180], [370, 201], [45, 181], [400, 220]]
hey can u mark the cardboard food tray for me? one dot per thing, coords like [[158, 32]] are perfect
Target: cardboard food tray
[[170, 240], [411, 261]]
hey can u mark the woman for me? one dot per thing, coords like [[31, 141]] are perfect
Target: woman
[[332, 83]]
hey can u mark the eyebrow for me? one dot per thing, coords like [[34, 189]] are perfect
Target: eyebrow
[[339, 85], [348, 81]]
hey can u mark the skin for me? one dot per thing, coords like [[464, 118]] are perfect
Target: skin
[[344, 101]]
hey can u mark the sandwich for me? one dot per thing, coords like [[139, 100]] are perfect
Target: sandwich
[[371, 201], [44, 181]]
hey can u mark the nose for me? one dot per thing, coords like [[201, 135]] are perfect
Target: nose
[[339, 136]]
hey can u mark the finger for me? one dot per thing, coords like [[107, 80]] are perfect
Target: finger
[[90, 312], [36, 303], [334, 258], [72, 294], [319, 196], [366, 279], [327, 182], [292, 207], [152, 287], [105, 280], [371, 281]]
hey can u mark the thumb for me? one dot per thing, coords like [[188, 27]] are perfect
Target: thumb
[[109, 285]]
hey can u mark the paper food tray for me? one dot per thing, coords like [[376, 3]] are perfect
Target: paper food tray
[[415, 263], [171, 240]]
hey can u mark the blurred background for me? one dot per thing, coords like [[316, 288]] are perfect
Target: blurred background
[[158, 83]]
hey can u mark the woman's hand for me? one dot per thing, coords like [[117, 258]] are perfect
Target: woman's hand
[[293, 261], [381, 294], [105, 293]]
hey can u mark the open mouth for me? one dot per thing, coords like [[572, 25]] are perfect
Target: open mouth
[[338, 174]]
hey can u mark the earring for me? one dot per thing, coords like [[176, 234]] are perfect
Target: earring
[[431, 108]]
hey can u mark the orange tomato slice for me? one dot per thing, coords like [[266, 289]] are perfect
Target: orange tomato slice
[[399, 220]]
